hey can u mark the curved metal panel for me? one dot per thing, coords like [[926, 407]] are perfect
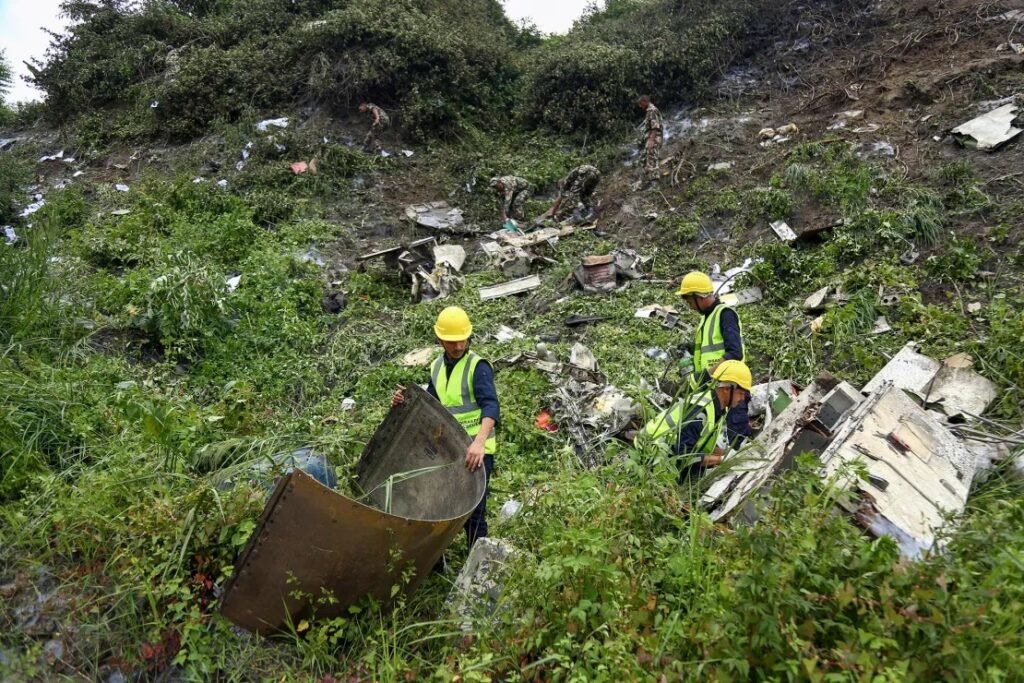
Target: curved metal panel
[[312, 540]]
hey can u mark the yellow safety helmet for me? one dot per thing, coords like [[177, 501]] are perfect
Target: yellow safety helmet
[[696, 283], [734, 372], [453, 325]]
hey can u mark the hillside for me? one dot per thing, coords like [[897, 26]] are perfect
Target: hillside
[[179, 306]]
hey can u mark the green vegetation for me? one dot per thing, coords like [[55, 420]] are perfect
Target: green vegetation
[[132, 395], [6, 79], [176, 68], [158, 347]]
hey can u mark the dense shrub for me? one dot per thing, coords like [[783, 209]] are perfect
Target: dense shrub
[[439, 63], [590, 79], [6, 79]]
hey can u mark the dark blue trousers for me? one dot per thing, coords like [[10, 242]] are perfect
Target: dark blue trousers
[[476, 525]]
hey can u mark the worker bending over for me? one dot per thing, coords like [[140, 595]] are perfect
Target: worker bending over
[[576, 188], [514, 191], [693, 424]]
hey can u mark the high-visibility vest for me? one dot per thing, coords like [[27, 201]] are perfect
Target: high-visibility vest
[[709, 344], [671, 421], [457, 395]]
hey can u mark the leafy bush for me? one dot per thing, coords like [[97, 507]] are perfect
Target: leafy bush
[[108, 48], [199, 62], [184, 305], [769, 203], [406, 52], [681, 228], [590, 79], [6, 115], [959, 261], [630, 587]]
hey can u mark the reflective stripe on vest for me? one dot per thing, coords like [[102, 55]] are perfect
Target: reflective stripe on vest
[[671, 421], [709, 343], [457, 395]]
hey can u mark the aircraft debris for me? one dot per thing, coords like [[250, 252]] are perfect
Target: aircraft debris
[[990, 131], [816, 301], [266, 124], [517, 286], [654, 311], [507, 334], [477, 590], [657, 354], [881, 326], [420, 357], [419, 497], [439, 215], [750, 295], [843, 118], [603, 273], [577, 320], [582, 357], [782, 229]]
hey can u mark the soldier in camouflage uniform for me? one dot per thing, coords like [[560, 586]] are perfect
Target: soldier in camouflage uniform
[[652, 137], [576, 188], [381, 120], [515, 191]]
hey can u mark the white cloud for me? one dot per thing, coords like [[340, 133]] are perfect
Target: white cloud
[[551, 16], [22, 37]]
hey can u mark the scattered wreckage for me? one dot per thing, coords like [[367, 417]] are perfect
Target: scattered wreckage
[[905, 428], [991, 131], [431, 268], [609, 272], [440, 216], [313, 541]]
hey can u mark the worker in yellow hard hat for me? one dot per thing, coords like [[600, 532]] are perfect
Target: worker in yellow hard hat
[[718, 337], [694, 423], [464, 384]]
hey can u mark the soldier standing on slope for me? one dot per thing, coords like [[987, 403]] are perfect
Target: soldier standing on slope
[[652, 137]]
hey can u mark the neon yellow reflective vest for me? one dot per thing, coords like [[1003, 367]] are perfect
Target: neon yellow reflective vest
[[457, 395], [709, 344], [671, 421]]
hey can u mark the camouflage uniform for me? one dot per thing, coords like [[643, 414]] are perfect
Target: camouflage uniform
[[650, 143], [381, 120], [578, 187], [517, 192]]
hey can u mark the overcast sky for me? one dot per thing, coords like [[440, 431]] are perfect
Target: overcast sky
[[551, 16], [22, 37]]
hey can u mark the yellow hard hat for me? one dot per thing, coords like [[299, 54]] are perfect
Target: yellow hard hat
[[734, 372], [696, 283], [453, 325]]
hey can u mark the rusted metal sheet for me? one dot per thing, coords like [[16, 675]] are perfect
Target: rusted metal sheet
[[312, 540], [599, 271]]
